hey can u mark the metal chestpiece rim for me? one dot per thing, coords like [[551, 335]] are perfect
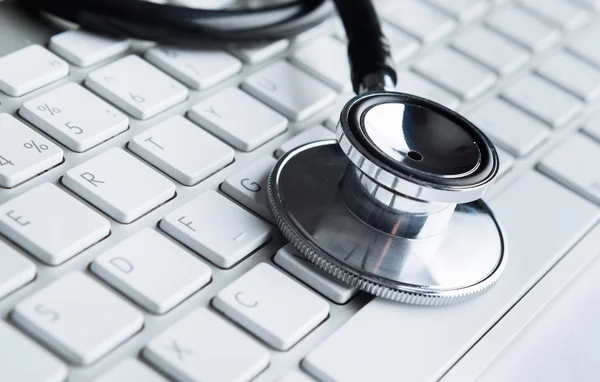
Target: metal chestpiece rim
[[342, 216], [407, 181]]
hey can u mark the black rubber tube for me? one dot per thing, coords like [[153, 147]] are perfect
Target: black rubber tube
[[159, 22], [368, 49]]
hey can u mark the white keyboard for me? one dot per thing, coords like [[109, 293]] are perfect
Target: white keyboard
[[135, 238]]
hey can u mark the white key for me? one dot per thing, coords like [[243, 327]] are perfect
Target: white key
[[492, 50], [456, 73], [199, 69], [152, 270], [585, 44], [592, 126], [136, 87], [75, 117], [510, 127], [341, 101], [120, 185], [537, 240], [572, 74], [182, 150], [256, 53], [296, 376], [409, 82], [272, 306], [249, 186], [15, 270], [29, 69], [130, 370], [78, 318], [463, 10], [289, 259], [543, 100], [420, 20], [217, 229], [25, 361], [289, 90], [86, 49], [216, 115], [523, 28], [562, 13], [30, 220], [23, 152], [403, 46], [573, 164], [506, 161], [317, 133], [327, 59], [204, 347]]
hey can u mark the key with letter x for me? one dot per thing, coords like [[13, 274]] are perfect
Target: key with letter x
[[204, 347]]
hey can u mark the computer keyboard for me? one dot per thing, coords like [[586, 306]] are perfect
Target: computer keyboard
[[136, 242]]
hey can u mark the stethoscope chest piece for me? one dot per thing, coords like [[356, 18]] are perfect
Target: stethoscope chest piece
[[393, 207]]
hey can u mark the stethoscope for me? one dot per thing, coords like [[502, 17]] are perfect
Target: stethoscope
[[393, 205]]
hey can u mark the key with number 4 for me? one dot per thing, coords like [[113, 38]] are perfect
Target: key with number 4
[[75, 117], [23, 152], [137, 87]]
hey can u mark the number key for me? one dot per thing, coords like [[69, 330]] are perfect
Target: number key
[[78, 318], [75, 117], [137, 87], [23, 152], [29, 69]]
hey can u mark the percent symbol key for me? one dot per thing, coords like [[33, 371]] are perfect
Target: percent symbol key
[[46, 108], [23, 152], [33, 145]]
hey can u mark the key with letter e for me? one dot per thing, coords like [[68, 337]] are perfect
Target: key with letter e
[[30, 220]]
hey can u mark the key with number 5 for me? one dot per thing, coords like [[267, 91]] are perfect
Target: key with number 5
[[75, 117], [137, 87]]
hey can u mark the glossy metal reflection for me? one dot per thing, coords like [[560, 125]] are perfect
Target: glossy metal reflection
[[393, 206]]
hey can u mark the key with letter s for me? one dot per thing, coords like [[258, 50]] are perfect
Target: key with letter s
[[77, 317]]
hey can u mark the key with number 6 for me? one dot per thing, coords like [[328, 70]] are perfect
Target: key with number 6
[[75, 117], [137, 87], [23, 152]]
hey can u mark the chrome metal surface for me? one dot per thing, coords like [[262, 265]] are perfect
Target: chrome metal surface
[[315, 196], [377, 82], [417, 148]]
